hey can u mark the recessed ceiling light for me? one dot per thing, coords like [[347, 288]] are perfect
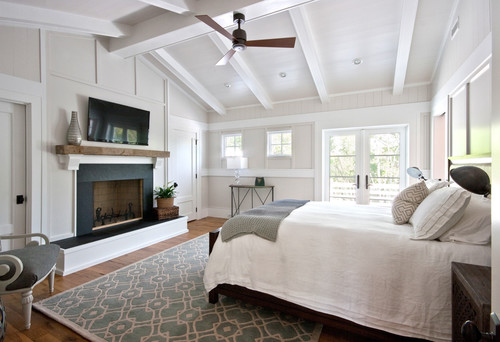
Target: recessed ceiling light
[[282, 74], [227, 85], [357, 61]]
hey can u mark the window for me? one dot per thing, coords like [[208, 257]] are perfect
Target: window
[[279, 144], [231, 145]]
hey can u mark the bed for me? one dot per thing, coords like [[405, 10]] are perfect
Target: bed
[[351, 266]]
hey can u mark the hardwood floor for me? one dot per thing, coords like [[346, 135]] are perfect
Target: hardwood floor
[[44, 329]]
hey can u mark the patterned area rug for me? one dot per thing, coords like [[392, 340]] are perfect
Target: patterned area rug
[[162, 298]]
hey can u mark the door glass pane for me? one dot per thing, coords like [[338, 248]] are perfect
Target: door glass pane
[[384, 167], [342, 168]]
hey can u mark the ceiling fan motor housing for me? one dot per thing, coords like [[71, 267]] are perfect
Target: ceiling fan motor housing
[[241, 39], [239, 34]]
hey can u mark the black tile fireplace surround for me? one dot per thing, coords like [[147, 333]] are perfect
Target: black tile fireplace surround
[[90, 173]]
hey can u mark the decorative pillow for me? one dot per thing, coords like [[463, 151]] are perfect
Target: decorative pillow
[[475, 226], [438, 212], [407, 201]]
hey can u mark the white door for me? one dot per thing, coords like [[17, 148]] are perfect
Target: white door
[[365, 166], [12, 172], [182, 170]]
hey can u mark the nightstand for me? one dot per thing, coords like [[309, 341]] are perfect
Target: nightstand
[[471, 297]]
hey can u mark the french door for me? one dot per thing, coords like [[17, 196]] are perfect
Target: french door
[[366, 166]]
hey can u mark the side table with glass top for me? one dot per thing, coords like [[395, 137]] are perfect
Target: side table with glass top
[[240, 192]]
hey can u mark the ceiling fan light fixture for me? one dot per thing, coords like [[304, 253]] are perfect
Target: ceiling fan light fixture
[[239, 47]]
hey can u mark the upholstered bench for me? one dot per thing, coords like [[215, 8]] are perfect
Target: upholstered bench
[[22, 269]]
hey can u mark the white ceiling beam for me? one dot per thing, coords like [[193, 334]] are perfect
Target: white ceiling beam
[[171, 28], [176, 6], [189, 80], [408, 17], [22, 15], [303, 30], [243, 70]]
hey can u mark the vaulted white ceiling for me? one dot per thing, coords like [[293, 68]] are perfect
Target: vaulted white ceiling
[[398, 41]]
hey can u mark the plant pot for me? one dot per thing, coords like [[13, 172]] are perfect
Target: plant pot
[[165, 202]]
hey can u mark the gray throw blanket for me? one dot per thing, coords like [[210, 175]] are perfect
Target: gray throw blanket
[[262, 221]]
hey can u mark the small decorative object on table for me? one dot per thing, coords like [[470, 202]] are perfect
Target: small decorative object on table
[[74, 134], [165, 195], [259, 181]]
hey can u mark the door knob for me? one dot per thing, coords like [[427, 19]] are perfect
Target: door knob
[[19, 199]]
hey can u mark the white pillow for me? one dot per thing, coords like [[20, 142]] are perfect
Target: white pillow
[[438, 212], [407, 201], [475, 226]]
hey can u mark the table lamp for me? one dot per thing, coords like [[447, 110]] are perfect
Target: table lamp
[[473, 179], [236, 164]]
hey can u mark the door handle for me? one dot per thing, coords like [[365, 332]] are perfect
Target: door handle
[[366, 182], [19, 199], [357, 182]]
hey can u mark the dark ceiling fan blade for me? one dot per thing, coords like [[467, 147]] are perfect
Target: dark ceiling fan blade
[[226, 58], [210, 22], [277, 42]]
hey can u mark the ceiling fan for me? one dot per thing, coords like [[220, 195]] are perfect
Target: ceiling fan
[[239, 37]]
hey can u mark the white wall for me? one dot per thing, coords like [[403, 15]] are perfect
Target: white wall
[[69, 69], [474, 45], [300, 177]]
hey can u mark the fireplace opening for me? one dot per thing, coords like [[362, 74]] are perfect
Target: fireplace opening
[[111, 197], [116, 202]]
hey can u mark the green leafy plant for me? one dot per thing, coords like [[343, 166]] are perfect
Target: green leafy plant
[[166, 191]]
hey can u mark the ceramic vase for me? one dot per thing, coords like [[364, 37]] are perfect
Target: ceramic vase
[[74, 135]]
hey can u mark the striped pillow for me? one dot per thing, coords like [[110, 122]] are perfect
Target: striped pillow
[[405, 204]]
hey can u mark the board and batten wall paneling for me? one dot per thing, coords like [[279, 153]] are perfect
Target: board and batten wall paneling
[[72, 56], [254, 147], [303, 150], [115, 72], [76, 72], [20, 52], [149, 85]]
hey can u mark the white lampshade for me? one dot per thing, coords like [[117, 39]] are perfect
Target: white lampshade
[[237, 163]]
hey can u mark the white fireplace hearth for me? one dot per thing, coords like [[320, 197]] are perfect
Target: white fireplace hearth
[[79, 257], [82, 251]]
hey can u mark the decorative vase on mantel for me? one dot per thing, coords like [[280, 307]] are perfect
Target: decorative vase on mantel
[[74, 134]]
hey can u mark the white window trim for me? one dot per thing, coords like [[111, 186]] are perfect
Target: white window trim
[[269, 133]]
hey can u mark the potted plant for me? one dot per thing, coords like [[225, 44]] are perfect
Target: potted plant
[[165, 195]]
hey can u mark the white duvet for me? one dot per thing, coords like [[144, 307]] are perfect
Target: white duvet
[[352, 262]]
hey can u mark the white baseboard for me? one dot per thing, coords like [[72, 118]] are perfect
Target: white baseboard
[[219, 212], [77, 258]]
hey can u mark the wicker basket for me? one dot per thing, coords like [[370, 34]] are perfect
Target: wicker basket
[[166, 213]]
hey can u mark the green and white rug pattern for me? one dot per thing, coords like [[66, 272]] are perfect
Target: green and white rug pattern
[[162, 298]]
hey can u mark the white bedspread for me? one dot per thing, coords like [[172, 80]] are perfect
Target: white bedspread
[[353, 262]]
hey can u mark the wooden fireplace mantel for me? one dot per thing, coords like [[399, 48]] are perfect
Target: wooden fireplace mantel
[[72, 156]]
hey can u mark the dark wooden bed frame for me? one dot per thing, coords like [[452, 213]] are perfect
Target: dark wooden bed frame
[[274, 303]]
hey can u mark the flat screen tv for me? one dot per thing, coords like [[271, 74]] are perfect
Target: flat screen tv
[[116, 123]]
